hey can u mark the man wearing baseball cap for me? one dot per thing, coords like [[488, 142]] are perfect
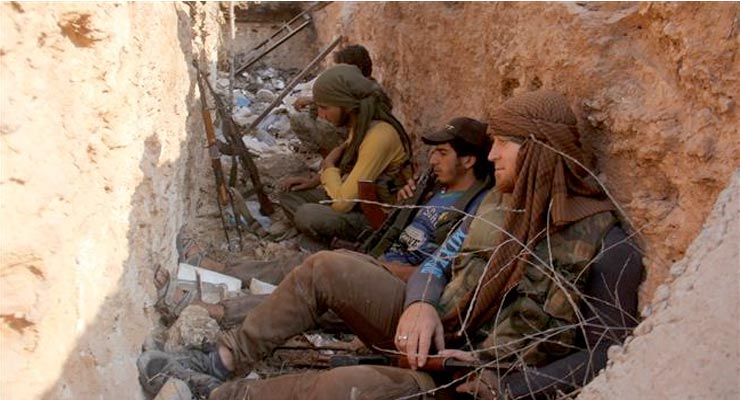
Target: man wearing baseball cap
[[458, 159]]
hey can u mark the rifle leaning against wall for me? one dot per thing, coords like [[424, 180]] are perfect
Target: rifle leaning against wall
[[236, 147], [223, 195]]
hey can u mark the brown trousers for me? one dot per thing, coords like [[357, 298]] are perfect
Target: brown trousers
[[270, 271], [365, 296]]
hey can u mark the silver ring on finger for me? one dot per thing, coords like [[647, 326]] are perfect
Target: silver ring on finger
[[402, 338]]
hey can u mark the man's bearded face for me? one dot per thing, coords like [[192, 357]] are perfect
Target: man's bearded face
[[336, 116], [447, 166], [503, 154]]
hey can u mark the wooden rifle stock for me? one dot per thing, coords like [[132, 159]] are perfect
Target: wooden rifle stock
[[230, 130], [215, 158], [374, 213], [433, 364], [223, 196]]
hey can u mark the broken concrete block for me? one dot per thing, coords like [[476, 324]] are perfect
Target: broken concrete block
[[187, 272], [194, 327], [241, 116], [256, 286]]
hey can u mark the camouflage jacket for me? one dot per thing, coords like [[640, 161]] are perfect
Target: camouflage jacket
[[538, 320]]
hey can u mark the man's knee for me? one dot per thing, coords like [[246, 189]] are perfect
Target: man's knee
[[368, 382], [314, 219], [320, 263], [290, 201]]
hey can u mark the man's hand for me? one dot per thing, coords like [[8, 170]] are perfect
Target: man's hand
[[331, 159], [483, 386], [295, 183], [418, 326], [459, 355], [302, 102], [407, 191]]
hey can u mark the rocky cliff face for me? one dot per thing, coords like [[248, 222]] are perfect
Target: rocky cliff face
[[96, 179], [688, 346], [654, 85]]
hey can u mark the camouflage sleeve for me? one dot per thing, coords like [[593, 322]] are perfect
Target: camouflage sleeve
[[429, 280], [610, 316]]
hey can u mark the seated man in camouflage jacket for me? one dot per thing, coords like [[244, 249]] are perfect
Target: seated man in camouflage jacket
[[534, 289]]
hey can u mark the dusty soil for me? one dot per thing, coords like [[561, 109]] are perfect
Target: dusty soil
[[98, 150]]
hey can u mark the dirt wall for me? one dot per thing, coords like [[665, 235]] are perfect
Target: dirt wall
[[654, 85], [96, 179], [295, 53], [693, 323]]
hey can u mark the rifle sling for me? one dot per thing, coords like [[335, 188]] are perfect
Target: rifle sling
[[404, 217], [442, 229]]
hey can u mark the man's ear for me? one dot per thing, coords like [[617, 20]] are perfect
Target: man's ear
[[468, 161]]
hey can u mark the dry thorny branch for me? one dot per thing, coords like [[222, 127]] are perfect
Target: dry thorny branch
[[581, 301]]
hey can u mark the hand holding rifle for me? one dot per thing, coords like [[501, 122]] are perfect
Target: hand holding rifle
[[418, 326], [484, 385], [407, 191]]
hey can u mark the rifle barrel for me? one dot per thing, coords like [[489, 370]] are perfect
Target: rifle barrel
[[294, 82]]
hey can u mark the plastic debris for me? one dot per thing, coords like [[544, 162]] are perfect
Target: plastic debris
[[254, 209], [241, 100]]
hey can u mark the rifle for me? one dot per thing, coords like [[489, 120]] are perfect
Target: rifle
[[433, 364], [223, 195], [399, 218], [294, 82], [237, 147]]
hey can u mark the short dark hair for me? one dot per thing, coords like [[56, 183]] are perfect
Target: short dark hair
[[482, 167], [355, 55]]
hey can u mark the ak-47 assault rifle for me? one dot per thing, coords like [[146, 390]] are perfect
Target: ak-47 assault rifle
[[237, 148], [433, 364], [223, 194], [399, 218]]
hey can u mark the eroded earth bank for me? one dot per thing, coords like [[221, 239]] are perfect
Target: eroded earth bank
[[103, 162]]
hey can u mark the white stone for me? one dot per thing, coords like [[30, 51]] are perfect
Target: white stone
[[265, 95]]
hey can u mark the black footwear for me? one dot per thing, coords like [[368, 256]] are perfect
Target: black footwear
[[203, 360], [156, 367]]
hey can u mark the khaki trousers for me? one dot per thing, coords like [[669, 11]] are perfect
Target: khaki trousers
[[319, 221]]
